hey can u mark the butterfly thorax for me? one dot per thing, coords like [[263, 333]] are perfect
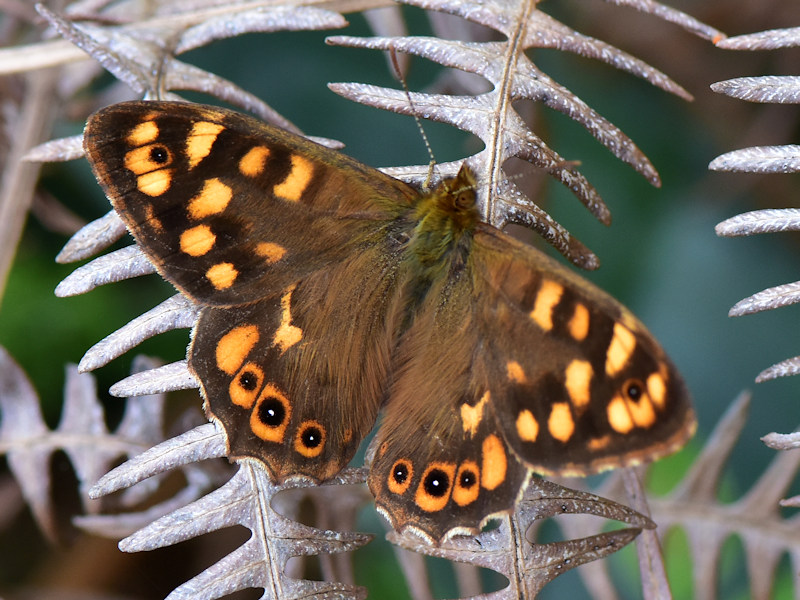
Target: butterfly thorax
[[443, 222]]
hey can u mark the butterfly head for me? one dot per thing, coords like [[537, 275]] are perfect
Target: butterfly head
[[444, 220]]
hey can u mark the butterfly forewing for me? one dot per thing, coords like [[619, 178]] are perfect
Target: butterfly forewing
[[228, 209], [579, 384]]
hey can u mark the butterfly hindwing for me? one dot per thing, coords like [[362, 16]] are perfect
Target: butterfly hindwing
[[461, 471], [297, 380]]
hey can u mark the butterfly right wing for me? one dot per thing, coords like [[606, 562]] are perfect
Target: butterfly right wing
[[289, 247], [231, 210]]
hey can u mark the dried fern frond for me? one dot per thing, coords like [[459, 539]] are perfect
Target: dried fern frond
[[142, 55], [694, 507], [138, 42], [133, 49], [527, 565], [755, 518], [492, 117], [246, 499], [768, 159], [82, 435]]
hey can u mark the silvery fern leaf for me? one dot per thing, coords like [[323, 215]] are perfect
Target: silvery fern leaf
[[143, 54], [115, 41], [755, 518], [528, 565], [491, 115], [708, 522], [246, 499], [766, 159]]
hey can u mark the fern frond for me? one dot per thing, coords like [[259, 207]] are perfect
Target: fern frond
[[694, 506], [247, 500], [768, 159], [492, 117], [133, 49], [527, 565], [755, 518]]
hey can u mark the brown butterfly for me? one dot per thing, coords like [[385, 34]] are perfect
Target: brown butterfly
[[330, 290]]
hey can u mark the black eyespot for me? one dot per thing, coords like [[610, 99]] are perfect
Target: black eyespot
[[271, 412], [400, 472], [436, 483], [248, 381], [634, 389], [311, 437], [159, 154], [467, 479]]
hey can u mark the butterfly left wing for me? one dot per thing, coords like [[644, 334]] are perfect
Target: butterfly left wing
[[524, 366]]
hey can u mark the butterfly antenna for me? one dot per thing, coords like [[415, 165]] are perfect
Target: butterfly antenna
[[399, 74]]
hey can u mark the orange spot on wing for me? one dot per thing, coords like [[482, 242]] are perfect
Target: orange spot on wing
[[578, 379], [546, 300], [527, 426], [494, 462], [287, 335], [471, 416], [233, 347], [197, 241], [400, 476], [152, 220], [515, 372], [641, 410], [309, 441], [657, 389], [271, 414], [467, 485], [622, 345], [560, 423], [144, 133], [222, 275], [140, 160], [618, 415], [270, 251], [200, 140], [433, 502], [154, 183], [579, 323], [597, 444], [252, 163], [211, 200], [297, 180], [244, 388]]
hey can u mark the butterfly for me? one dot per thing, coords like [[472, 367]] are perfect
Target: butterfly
[[330, 292]]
